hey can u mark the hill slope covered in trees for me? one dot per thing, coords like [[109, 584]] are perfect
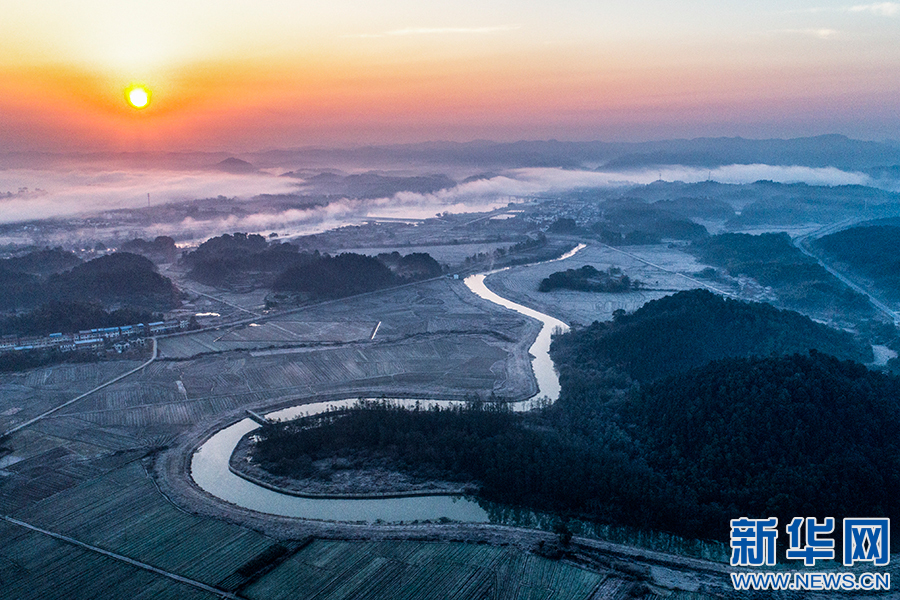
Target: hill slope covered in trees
[[116, 279], [870, 251], [691, 328], [785, 436], [782, 436], [798, 280]]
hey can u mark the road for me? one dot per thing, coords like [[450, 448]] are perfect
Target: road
[[801, 243], [84, 395]]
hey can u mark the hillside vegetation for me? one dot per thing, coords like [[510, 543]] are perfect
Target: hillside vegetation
[[630, 221], [689, 329], [115, 280], [22, 277], [869, 251], [242, 261], [798, 280], [779, 436], [239, 260], [70, 317], [589, 279], [335, 277]]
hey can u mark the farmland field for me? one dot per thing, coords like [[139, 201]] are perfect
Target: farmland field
[[416, 570], [27, 394], [429, 307], [677, 273], [95, 484]]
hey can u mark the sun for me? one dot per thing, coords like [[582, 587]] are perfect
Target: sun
[[138, 96]]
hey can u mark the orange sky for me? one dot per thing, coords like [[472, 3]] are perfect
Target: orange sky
[[225, 76]]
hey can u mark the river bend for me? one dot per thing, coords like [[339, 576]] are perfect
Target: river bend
[[209, 464]]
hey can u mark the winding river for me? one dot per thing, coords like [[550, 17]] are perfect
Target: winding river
[[209, 464]]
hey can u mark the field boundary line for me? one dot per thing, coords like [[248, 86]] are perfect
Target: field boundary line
[[120, 557], [84, 395], [655, 266]]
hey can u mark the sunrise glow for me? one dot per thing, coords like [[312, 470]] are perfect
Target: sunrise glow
[[271, 74]]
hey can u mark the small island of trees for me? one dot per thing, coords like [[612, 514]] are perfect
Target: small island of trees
[[589, 279]]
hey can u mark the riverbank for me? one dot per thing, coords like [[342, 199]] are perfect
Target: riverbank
[[663, 572]]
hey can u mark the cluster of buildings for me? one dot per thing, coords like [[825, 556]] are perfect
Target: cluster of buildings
[[117, 338]]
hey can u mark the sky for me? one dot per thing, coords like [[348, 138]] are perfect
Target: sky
[[236, 75]]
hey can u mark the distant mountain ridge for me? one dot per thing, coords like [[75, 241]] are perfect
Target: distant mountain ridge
[[819, 151]]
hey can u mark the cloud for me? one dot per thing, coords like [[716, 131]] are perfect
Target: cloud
[[782, 174], [886, 9], [413, 31], [521, 184], [822, 34]]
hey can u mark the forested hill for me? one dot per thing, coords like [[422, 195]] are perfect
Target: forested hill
[[335, 277], [42, 262], [22, 277], [240, 260], [248, 260], [800, 435], [116, 279], [689, 329], [870, 251], [787, 436]]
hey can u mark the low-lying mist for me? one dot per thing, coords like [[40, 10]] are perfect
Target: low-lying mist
[[30, 194], [27, 195]]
